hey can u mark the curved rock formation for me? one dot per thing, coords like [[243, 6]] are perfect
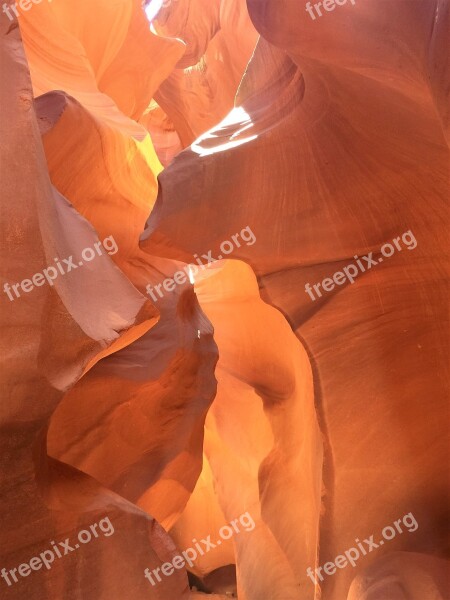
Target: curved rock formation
[[220, 41], [275, 402], [310, 158], [49, 336]]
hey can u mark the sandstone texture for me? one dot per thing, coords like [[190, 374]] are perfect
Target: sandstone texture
[[224, 314]]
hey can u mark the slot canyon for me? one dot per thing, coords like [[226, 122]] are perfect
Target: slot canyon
[[224, 259]]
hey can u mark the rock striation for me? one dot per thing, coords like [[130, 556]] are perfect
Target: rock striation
[[269, 399]]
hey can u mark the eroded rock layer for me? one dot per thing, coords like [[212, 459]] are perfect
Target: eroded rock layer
[[224, 300]]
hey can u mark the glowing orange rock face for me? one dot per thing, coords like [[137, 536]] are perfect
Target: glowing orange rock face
[[311, 158], [278, 413], [220, 40], [50, 333]]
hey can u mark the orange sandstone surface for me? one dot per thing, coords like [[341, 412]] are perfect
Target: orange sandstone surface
[[224, 313]]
